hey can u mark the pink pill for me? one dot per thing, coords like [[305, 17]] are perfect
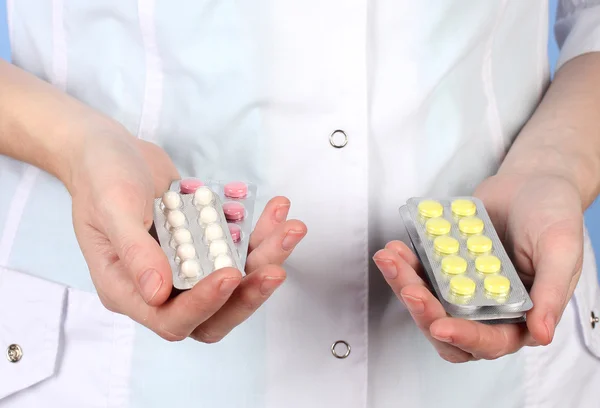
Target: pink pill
[[189, 186], [236, 189], [236, 232], [234, 211]]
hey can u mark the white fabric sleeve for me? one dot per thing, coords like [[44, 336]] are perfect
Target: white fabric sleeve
[[577, 28]]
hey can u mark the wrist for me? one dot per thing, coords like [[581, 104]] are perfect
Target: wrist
[[579, 169], [86, 141]]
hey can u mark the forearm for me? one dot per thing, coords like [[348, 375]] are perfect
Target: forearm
[[563, 136], [41, 125]]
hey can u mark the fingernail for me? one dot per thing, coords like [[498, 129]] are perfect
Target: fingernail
[[387, 267], [550, 323], [269, 284], [291, 239], [150, 283], [414, 304], [281, 212], [228, 285]]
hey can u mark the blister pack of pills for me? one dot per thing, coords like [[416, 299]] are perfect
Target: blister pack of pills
[[464, 259], [203, 227]]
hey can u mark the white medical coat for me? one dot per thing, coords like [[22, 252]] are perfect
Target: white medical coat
[[430, 96]]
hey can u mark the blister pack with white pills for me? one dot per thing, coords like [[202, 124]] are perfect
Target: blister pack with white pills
[[464, 259], [203, 227]]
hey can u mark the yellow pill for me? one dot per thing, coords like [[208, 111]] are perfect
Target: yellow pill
[[462, 286], [430, 209], [470, 225], [446, 245], [497, 285], [488, 264], [438, 226], [454, 265], [464, 208], [479, 244]]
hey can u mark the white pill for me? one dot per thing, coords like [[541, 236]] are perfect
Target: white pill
[[203, 196], [223, 261], [171, 200], [208, 215], [182, 236], [176, 218], [186, 251], [212, 232], [190, 269], [218, 247]]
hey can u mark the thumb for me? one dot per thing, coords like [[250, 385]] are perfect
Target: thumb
[[557, 268], [143, 258]]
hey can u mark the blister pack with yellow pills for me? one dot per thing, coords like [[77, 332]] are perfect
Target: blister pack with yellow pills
[[464, 259]]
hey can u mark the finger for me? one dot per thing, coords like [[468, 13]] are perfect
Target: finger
[[108, 273], [177, 318], [252, 293], [413, 292], [425, 310], [396, 270], [143, 258], [405, 253], [481, 340], [556, 273], [274, 214], [278, 246]]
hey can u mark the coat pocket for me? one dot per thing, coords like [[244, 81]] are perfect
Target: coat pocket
[[75, 353], [31, 315]]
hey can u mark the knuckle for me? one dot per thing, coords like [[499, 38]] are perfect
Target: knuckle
[[129, 251], [247, 304], [494, 355], [452, 357], [168, 336], [488, 354], [394, 245], [108, 305], [259, 258], [207, 336], [499, 351], [556, 293], [200, 305], [296, 225]]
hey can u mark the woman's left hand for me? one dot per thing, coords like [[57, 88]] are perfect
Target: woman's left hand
[[540, 220]]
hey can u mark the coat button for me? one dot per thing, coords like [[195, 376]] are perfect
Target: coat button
[[14, 353], [594, 320], [340, 349], [338, 139]]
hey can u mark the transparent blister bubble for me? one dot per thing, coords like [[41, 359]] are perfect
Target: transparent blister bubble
[[474, 235], [186, 228], [238, 200], [214, 217]]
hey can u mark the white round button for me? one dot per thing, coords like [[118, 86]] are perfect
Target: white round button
[[338, 139]]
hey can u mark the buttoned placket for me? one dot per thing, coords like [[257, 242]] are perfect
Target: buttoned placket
[[348, 138]]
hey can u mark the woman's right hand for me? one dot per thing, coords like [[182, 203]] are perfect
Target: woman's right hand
[[113, 180]]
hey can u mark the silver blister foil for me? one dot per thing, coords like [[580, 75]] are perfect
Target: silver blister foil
[[481, 304], [206, 229]]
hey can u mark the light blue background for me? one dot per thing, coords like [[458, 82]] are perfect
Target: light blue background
[[593, 214]]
